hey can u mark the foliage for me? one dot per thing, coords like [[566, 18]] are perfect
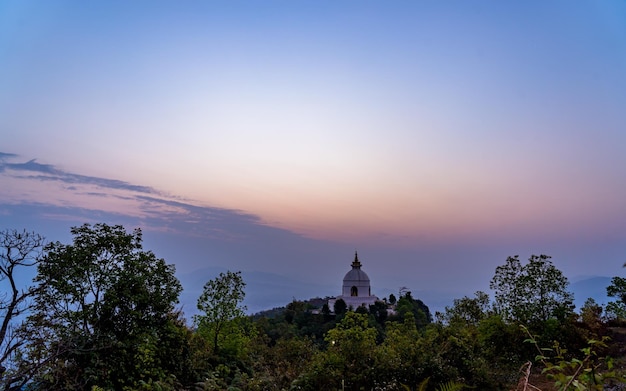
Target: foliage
[[104, 319], [448, 386], [103, 305], [401, 359], [353, 341], [617, 288], [455, 354], [277, 366], [220, 302], [347, 362], [468, 310], [588, 372], [617, 309], [591, 316], [340, 307], [379, 311], [18, 251], [420, 311], [502, 346], [531, 293], [451, 386]]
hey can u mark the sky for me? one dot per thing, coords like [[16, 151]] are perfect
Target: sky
[[279, 137]]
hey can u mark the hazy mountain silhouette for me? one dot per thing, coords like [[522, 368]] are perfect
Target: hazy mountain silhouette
[[594, 287], [263, 290]]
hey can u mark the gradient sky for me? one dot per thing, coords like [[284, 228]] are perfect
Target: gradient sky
[[435, 137]]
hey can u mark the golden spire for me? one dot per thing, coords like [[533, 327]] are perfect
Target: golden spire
[[356, 263]]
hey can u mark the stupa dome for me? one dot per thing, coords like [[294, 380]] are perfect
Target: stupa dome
[[356, 282], [356, 276], [356, 291]]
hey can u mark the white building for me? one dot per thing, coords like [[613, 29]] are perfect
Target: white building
[[356, 290]]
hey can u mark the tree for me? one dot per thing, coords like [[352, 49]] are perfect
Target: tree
[[420, 311], [591, 316], [401, 360], [617, 289], [353, 341], [295, 311], [277, 365], [103, 307], [468, 310], [340, 307], [18, 251], [379, 311], [534, 292], [221, 303], [348, 362], [326, 311]]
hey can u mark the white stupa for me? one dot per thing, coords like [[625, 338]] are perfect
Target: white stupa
[[356, 290]]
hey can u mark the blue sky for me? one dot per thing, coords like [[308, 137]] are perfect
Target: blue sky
[[436, 138]]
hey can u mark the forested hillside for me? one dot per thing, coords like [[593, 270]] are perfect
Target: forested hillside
[[102, 314]]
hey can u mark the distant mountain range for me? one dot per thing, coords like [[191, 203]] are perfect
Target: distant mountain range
[[265, 291]]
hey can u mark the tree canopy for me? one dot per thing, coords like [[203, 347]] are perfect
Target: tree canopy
[[617, 289], [531, 292], [104, 318], [103, 303], [221, 302]]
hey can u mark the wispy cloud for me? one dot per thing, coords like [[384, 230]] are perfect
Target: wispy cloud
[[4, 155], [78, 196], [48, 172], [191, 235], [32, 165]]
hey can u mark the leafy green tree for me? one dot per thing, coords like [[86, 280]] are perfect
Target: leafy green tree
[[591, 316], [454, 353], [420, 311], [410, 355], [502, 345], [617, 289], [326, 311], [277, 365], [295, 311], [379, 311], [220, 302], [592, 371], [102, 309], [400, 359], [354, 339], [531, 293], [18, 252], [468, 310], [340, 307], [348, 362], [617, 309]]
